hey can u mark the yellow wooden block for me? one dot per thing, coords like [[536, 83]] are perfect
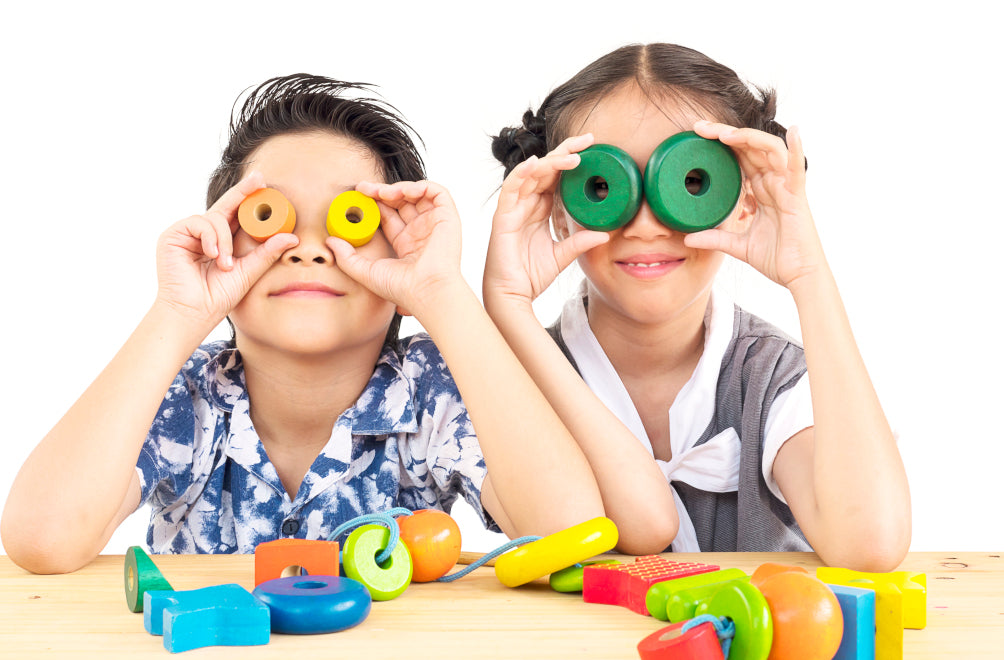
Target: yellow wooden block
[[912, 586]]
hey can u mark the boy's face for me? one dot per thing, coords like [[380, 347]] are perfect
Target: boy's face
[[304, 303], [644, 273]]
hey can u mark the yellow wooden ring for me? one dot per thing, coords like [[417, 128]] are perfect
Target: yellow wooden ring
[[555, 552], [265, 213], [354, 217]]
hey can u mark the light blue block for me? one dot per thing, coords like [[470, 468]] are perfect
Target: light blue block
[[224, 615], [858, 608]]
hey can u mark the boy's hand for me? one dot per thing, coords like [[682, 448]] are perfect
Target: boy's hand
[[197, 273], [781, 241], [422, 225], [523, 259]]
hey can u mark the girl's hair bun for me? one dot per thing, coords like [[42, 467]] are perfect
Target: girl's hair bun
[[515, 144]]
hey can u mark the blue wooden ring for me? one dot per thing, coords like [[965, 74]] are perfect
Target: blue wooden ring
[[310, 604]]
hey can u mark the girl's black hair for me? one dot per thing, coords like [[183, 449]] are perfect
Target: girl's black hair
[[301, 103], [660, 70]]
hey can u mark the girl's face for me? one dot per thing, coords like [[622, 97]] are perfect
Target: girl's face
[[304, 303], [644, 274]]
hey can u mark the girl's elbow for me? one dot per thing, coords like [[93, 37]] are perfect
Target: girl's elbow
[[649, 539]]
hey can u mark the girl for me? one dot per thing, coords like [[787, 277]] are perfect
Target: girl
[[315, 412], [649, 363]]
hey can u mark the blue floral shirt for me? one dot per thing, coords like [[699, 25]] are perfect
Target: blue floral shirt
[[408, 441]]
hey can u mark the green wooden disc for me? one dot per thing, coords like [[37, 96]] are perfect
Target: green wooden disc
[[569, 580], [715, 182], [141, 575], [384, 582], [748, 609], [586, 199]]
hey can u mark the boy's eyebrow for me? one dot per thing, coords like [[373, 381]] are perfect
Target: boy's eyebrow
[[340, 188]]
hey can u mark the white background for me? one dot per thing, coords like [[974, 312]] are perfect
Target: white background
[[113, 116]]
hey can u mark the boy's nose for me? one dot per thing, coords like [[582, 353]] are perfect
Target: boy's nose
[[311, 248]]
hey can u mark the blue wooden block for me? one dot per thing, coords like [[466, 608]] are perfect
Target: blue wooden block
[[312, 604], [224, 615], [858, 608]]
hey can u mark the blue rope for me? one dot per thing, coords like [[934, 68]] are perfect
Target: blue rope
[[385, 518], [505, 547], [724, 628]]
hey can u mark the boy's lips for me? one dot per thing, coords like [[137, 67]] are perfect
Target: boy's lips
[[307, 289], [648, 266]]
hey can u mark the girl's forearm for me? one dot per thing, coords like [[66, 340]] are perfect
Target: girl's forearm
[[859, 481], [635, 493], [74, 483], [538, 473]]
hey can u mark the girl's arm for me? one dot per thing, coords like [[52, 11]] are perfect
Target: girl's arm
[[538, 480], [844, 478], [522, 261], [80, 481]]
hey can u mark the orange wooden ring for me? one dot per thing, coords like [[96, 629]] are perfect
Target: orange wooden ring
[[265, 213]]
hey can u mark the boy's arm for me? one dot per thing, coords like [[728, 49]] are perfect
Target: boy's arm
[[80, 481]]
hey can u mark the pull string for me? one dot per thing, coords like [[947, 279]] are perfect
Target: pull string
[[724, 628], [385, 518], [505, 547]]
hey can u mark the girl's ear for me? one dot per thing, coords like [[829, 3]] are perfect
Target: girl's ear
[[747, 206], [559, 222]]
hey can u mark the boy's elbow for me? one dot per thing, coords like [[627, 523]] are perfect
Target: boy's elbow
[[39, 551]]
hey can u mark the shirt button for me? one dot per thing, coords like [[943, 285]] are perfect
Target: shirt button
[[290, 527]]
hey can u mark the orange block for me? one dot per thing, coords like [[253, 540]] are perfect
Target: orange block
[[273, 558]]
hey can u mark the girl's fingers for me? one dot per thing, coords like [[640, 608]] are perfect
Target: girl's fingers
[[718, 239], [796, 157], [568, 250], [572, 145]]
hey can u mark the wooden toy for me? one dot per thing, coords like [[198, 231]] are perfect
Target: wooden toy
[[858, 608], [569, 580], [604, 191], [315, 604], [265, 213], [433, 540], [808, 624], [671, 643], [692, 183], [383, 581], [556, 551], [628, 584], [280, 558], [141, 576], [746, 606], [888, 609], [767, 569], [354, 217], [224, 615], [659, 594], [912, 586]]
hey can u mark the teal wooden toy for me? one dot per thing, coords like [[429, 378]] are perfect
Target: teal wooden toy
[[604, 191], [858, 608], [569, 580], [224, 615], [658, 595], [384, 581], [314, 604], [748, 609], [692, 183], [141, 576]]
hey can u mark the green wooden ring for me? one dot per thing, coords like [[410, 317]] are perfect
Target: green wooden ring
[[384, 582], [569, 580], [578, 188], [748, 609], [666, 176], [141, 575]]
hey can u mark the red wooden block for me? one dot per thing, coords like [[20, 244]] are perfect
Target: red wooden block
[[272, 558], [670, 643], [627, 584]]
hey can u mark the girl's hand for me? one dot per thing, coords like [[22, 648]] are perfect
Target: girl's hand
[[523, 259], [781, 240], [196, 270], [422, 225]]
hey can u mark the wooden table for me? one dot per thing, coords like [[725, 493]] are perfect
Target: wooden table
[[84, 614]]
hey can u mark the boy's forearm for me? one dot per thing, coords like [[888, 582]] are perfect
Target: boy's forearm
[[860, 482], [635, 493], [74, 482], [538, 472]]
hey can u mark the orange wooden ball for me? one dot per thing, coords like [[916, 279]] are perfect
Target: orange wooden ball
[[433, 539], [770, 569], [808, 623]]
